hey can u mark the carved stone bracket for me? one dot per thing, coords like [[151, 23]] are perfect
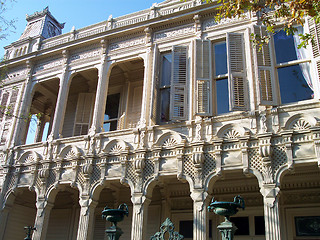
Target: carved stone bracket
[[217, 152], [156, 160], [316, 140], [270, 193], [244, 152], [179, 156], [287, 139]]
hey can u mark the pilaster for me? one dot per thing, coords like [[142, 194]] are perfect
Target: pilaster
[[200, 214], [42, 219], [26, 99], [147, 81], [139, 216], [102, 91], [271, 211], [86, 219], [61, 100]]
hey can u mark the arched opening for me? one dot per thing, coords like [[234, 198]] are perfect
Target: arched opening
[[124, 100], [300, 202], [112, 196], [80, 103], [250, 222], [64, 216], [42, 111], [171, 199], [21, 214]]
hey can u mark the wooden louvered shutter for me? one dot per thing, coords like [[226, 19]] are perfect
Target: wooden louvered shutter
[[156, 83], [83, 114], [8, 111], [264, 70], [314, 30], [178, 101], [203, 77], [236, 72], [4, 100]]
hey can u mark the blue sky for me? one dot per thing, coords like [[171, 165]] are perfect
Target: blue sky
[[78, 13]]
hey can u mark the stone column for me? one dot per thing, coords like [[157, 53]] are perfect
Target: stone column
[[61, 101], [86, 219], [139, 216], [200, 214], [147, 79], [42, 219], [102, 91], [25, 101], [271, 211]]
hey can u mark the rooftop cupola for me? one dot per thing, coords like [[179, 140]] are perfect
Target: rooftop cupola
[[42, 24]]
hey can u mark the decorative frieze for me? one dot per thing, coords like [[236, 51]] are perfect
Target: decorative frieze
[[93, 53], [212, 23], [175, 33], [128, 43], [49, 65]]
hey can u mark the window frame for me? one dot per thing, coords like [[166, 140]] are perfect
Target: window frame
[[277, 66], [216, 78], [174, 86], [112, 91]]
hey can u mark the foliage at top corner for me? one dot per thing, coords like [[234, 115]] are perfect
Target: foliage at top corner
[[269, 12], [6, 25]]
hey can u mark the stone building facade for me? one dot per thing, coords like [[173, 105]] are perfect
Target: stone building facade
[[161, 109]]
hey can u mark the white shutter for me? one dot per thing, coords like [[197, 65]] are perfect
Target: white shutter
[[156, 82], [236, 72], [264, 70], [203, 77], [59, 226], [83, 114], [314, 30], [99, 228], [178, 99]]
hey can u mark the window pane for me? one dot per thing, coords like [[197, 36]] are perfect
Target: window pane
[[222, 93], [259, 227], [220, 58], [111, 112], [45, 132], [242, 223], [307, 226], [32, 129], [165, 104], [284, 47], [186, 228], [112, 107], [166, 69], [293, 84]]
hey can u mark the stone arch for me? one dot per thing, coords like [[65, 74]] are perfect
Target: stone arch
[[169, 139], [232, 131], [19, 200], [116, 146], [300, 122], [70, 152], [29, 157]]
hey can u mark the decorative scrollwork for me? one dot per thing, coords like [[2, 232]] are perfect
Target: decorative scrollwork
[[167, 227]]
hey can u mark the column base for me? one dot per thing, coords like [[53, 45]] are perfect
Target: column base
[[114, 233], [227, 230]]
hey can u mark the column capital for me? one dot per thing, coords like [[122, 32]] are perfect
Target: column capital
[[200, 197], [270, 193]]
